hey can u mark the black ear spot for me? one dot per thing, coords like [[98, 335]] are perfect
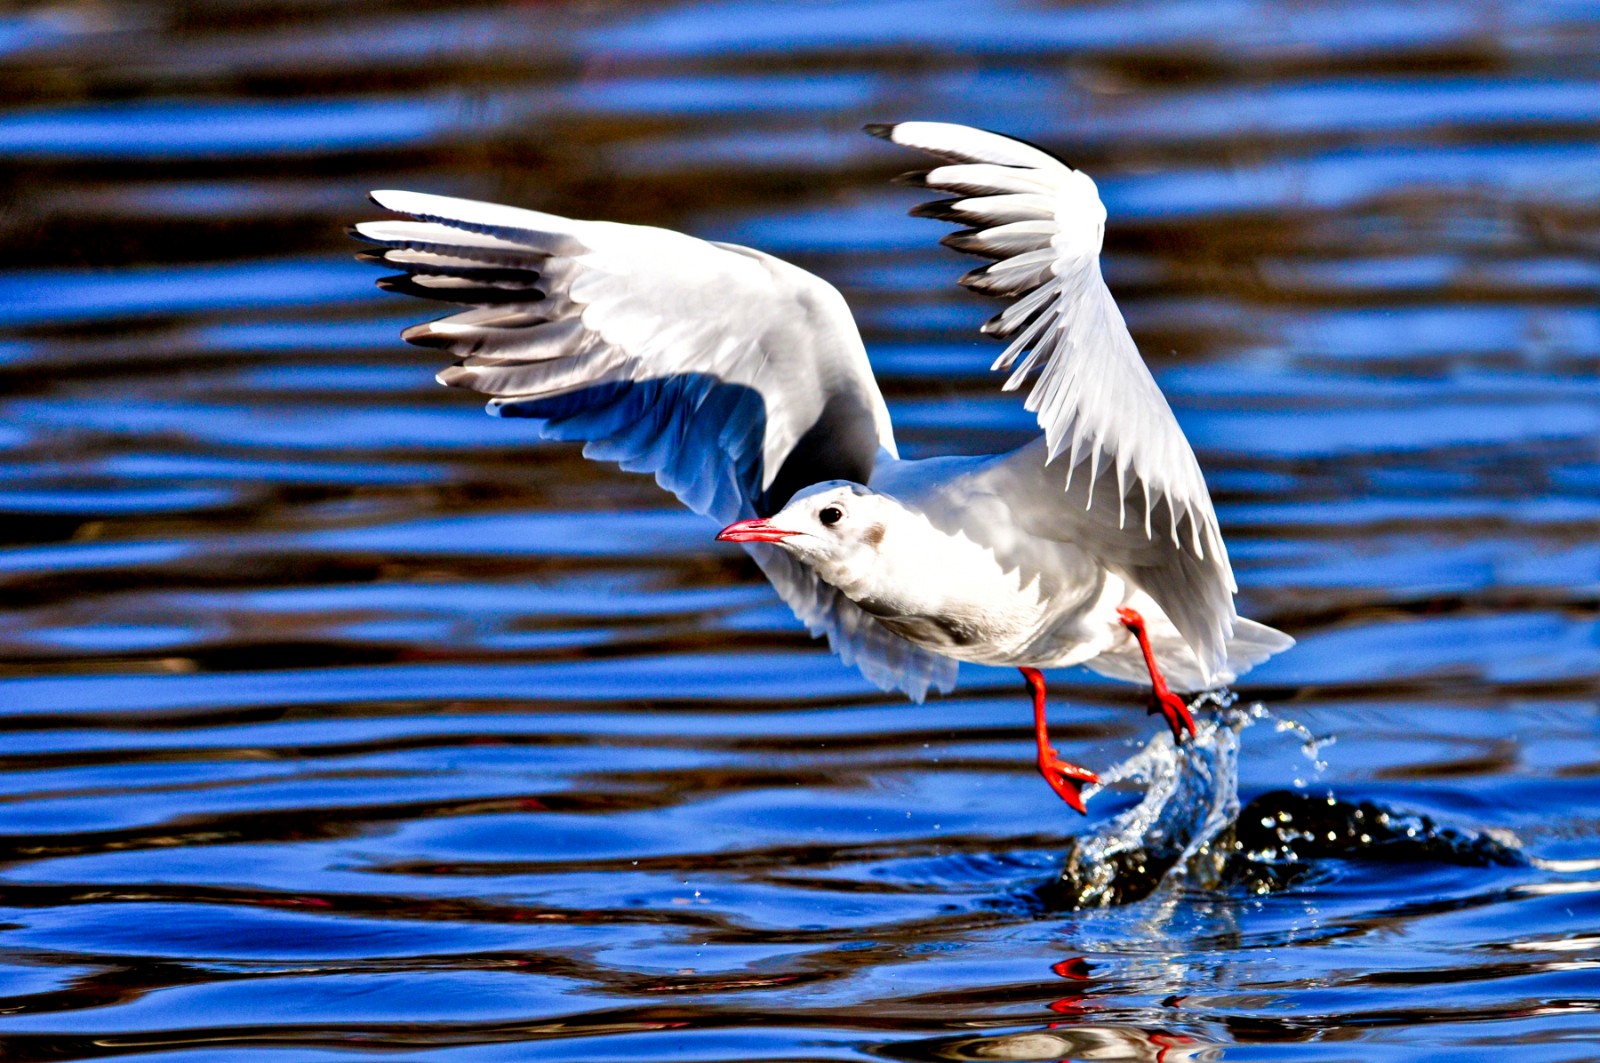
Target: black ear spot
[[830, 515]]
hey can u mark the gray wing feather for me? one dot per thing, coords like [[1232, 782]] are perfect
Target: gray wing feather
[[1042, 499], [1043, 223], [734, 377]]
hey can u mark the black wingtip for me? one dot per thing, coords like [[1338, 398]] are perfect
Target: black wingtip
[[965, 241], [997, 328], [914, 179], [422, 336], [973, 278], [881, 130], [939, 210], [483, 295]]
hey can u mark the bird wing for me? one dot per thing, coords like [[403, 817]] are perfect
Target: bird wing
[[1042, 223], [732, 376]]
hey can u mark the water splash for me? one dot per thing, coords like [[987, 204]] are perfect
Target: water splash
[[1192, 794], [1311, 745], [1189, 827]]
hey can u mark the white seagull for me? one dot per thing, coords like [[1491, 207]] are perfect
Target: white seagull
[[742, 383]]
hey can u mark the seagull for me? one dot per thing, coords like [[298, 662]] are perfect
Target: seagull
[[741, 382]]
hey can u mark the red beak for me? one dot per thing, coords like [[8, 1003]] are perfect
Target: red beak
[[753, 531]]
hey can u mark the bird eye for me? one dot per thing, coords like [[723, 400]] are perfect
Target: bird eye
[[830, 515]]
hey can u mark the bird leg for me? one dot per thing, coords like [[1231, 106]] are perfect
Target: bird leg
[[1065, 779], [1171, 706]]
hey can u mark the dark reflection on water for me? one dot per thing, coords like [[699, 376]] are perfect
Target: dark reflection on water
[[338, 720]]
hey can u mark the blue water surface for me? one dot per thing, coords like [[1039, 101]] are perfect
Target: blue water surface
[[339, 721]]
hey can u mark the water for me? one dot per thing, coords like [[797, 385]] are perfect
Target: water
[[340, 723]]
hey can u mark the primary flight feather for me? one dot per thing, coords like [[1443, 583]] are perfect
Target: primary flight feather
[[741, 382]]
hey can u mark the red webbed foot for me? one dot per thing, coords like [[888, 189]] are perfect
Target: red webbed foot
[[1171, 706], [1066, 779], [1176, 712]]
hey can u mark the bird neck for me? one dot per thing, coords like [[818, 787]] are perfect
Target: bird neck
[[914, 569]]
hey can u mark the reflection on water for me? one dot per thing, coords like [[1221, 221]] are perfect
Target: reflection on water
[[338, 717]]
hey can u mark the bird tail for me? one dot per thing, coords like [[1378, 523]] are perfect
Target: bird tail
[[1253, 643]]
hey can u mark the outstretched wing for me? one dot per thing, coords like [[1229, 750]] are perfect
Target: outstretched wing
[[1042, 223], [734, 377]]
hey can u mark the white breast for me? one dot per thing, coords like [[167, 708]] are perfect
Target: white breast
[[947, 591]]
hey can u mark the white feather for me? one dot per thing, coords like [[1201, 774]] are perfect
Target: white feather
[[1091, 391], [628, 307], [738, 379]]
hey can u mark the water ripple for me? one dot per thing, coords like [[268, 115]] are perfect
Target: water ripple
[[339, 717]]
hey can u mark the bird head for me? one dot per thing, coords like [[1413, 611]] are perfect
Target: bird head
[[835, 527]]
